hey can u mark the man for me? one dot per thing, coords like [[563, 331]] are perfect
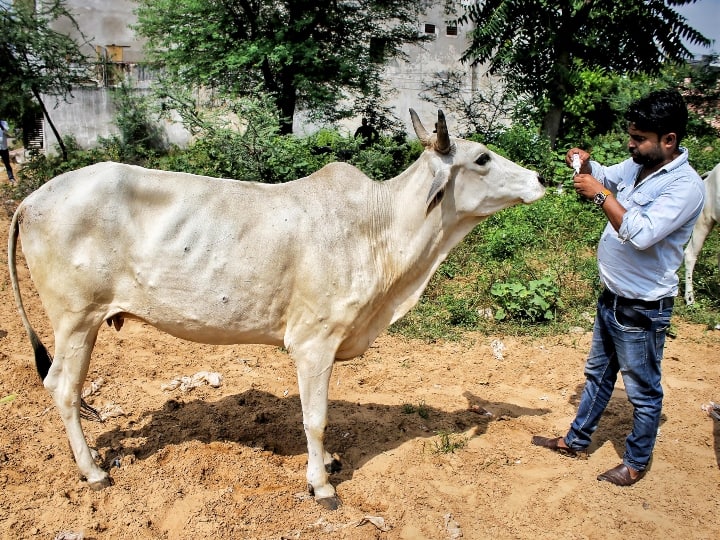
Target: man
[[4, 150], [367, 133], [652, 201]]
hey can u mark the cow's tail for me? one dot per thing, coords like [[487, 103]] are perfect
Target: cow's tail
[[42, 356]]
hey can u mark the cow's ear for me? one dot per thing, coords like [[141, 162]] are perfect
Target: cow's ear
[[438, 185]]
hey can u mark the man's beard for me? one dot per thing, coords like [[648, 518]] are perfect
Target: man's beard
[[648, 160]]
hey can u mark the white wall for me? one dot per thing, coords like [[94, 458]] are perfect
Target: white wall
[[409, 77], [90, 113]]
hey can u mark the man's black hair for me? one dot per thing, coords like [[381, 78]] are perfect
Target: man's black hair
[[661, 112]]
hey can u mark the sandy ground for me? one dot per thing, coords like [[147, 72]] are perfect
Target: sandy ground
[[229, 462]]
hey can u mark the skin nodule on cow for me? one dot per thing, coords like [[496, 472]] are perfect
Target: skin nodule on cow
[[321, 265]]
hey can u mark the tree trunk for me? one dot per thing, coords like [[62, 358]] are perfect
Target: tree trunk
[[551, 124], [61, 144], [287, 112], [287, 100], [282, 87], [557, 91]]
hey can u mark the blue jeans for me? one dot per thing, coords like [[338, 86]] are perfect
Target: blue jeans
[[629, 339]]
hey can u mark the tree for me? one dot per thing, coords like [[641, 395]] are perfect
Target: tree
[[309, 54], [36, 60], [535, 45], [484, 112]]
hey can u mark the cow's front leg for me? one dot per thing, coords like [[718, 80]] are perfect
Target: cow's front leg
[[313, 382]]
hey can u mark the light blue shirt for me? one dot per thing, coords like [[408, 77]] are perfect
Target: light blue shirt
[[641, 259], [4, 128]]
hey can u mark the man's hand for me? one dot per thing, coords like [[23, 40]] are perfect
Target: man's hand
[[587, 185], [584, 159]]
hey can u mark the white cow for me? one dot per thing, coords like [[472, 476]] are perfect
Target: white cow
[[708, 218], [320, 265]]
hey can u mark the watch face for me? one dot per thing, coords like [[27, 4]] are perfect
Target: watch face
[[599, 198]]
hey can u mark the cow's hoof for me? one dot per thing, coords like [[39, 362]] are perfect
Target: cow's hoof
[[330, 503], [101, 484], [334, 466]]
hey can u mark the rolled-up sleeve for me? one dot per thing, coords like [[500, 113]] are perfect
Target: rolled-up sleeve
[[613, 175]]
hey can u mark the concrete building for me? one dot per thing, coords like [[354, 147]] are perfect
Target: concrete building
[[107, 26]]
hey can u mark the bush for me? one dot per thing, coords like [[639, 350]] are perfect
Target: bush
[[43, 167], [535, 302], [140, 135], [704, 152], [524, 145]]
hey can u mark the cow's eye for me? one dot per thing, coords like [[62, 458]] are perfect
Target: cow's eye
[[483, 159]]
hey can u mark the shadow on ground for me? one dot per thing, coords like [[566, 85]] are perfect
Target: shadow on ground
[[259, 419]]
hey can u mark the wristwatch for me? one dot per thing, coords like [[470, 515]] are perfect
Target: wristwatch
[[599, 198]]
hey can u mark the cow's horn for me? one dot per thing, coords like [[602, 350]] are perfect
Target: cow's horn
[[420, 131], [442, 143]]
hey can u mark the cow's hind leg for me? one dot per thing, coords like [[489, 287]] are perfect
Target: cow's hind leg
[[64, 381], [314, 372]]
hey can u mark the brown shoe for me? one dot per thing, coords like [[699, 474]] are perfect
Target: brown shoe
[[621, 475], [554, 445]]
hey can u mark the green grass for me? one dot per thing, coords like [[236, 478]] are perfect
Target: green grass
[[448, 442], [555, 239]]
